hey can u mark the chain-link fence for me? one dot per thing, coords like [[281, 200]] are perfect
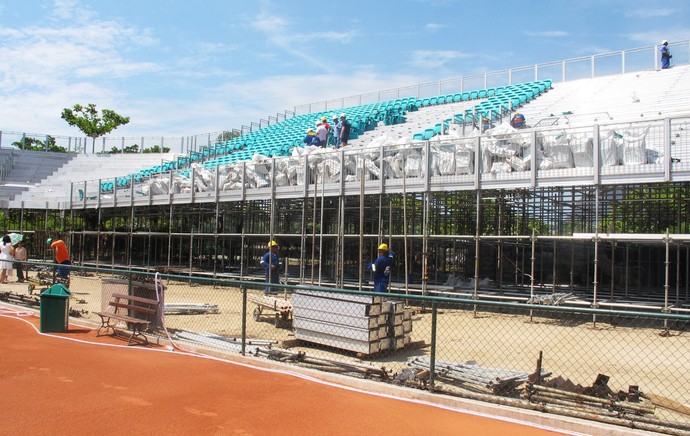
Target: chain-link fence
[[555, 354]]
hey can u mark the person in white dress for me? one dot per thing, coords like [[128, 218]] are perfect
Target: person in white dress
[[6, 253]]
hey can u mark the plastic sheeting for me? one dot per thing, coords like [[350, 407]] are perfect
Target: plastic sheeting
[[503, 150]]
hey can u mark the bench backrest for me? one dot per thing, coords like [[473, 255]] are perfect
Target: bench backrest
[[137, 307]]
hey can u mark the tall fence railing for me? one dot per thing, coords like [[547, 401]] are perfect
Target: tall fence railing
[[472, 162], [618, 62], [586, 67], [624, 367]]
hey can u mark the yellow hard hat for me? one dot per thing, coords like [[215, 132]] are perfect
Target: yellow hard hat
[[272, 244], [383, 247]]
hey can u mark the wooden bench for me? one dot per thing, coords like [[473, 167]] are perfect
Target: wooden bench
[[125, 308]]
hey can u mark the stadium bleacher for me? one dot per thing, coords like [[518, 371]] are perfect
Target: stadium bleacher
[[630, 97]]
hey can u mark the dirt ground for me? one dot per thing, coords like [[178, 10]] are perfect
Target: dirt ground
[[577, 350]]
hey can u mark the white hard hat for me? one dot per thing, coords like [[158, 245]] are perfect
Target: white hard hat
[[664, 42], [343, 115]]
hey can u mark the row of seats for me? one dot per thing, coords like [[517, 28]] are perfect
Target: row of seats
[[497, 102], [279, 139]]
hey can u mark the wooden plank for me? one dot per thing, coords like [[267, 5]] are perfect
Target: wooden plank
[[366, 299], [338, 342], [397, 330], [395, 319], [137, 299], [133, 308], [392, 343], [335, 330], [668, 403], [392, 307], [301, 301], [407, 326], [337, 318]]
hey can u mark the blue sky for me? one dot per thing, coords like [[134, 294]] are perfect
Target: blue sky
[[192, 67]]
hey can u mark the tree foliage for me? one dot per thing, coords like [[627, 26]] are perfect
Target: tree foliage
[[227, 135], [27, 143], [134, 148], [90, 122]]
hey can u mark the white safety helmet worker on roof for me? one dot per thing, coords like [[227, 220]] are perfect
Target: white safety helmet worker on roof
[[664, 42]]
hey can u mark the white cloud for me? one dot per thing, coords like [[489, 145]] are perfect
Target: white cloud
[[279, 31], [434, 26], [434, 59]]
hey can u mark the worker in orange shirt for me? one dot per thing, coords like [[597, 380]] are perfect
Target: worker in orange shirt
[[61, 255]]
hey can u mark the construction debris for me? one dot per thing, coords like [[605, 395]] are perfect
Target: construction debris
[[356, 369], [551, 299], [499, 381], [190, 309], [23, 300], [220, 342], [280, 307]]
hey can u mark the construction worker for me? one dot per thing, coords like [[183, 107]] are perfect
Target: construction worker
[[61, 255], [271, 262], [665, 55], [518, 121], [382, 269]]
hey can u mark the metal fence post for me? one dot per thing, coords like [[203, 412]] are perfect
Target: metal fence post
[[244, 319], [432, 354]]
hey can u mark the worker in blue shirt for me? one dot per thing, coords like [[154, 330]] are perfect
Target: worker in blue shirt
[[518, 121], [271, 262], [311, 136], [665, 55], [382, 269]]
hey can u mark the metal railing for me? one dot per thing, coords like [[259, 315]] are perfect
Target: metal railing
[[607, 152], [618, 62], [622, 367], [586, 67]]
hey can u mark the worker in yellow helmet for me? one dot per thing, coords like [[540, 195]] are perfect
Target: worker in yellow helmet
[[271, 262], [382, 269]]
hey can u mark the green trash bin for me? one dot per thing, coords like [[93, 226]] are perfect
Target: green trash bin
[[55, 309]]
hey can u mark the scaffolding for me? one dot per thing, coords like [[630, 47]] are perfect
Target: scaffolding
[[610, 233]]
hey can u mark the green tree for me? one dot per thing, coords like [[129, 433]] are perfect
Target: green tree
[[227, 135], [91, 123], [156, 149], [27, 143]]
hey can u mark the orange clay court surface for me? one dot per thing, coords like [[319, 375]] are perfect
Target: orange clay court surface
[[83, 385]]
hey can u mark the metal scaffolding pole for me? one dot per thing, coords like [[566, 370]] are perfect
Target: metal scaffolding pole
[[595, 303], [272, 219], [407, 290], [360, 262], [313, 227], [303, 239], [321, 227], [531, 273]]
